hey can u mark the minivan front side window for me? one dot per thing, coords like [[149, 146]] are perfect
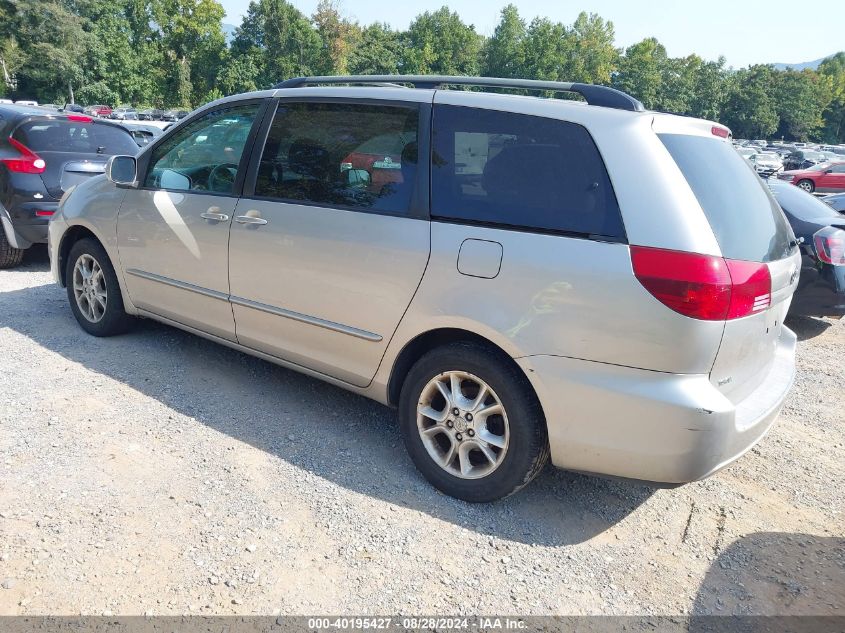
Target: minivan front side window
[[204, 155]]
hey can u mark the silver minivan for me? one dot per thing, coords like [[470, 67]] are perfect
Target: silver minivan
[[523, 278]]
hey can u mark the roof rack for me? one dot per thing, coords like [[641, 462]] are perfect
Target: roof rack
[[593, 94]]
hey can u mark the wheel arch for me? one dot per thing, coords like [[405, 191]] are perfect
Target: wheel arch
[[70, 237], [415, 348]]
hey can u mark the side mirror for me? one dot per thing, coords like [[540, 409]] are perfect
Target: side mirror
[[121, 170]]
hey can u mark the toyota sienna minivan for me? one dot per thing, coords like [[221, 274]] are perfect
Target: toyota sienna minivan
[[524, 278]]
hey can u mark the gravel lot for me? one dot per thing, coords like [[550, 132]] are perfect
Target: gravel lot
[[159, 473]]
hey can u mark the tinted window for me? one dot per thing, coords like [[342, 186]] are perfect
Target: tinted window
[[520, 171], [204, 155], [802, 205], [341, 154], [744, 216], [73, 136]]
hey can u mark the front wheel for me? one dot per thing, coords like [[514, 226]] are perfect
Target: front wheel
[[807, 185], [93, 290], [472, 423]]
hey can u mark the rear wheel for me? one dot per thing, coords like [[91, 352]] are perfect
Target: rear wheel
[[472, 423], [807, 185], [9, 255], [93, 290]]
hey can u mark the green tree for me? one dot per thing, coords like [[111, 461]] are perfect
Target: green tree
[[833, 70], [750, 110], [800, 98], [545, 50], [440, 43], [504, 53], [338, 36], [642, 70], [590, 52], [378, 51]]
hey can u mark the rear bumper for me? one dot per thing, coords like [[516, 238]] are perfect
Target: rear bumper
[[652, 426]]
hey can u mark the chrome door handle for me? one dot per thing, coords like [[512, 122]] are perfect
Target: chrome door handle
[[249, 219], [216, 217]]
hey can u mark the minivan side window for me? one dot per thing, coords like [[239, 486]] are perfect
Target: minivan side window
[[520, 171], [204, 155], [362, 156]]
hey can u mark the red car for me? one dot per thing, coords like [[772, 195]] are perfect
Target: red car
[[822, 178], [98, 110]]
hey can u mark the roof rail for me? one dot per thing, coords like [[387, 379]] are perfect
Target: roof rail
[[593, 94]]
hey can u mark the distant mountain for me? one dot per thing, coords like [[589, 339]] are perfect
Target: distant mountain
[[229, 32], [814, 65]]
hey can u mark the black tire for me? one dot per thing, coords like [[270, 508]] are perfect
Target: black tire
[[9, 255], [807, 185], [114, 319], [528, 447]]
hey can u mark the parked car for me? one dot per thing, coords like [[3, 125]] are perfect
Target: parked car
[[482, 288], [50, 106], [822, 178], [6, 101], [124, 114], [151, 114], [802, 159], [169, 115], [26, 102], [821, 289], [836, 201], [98, 110], [766, 163], [73, 107], [43, 155], [747, 152], [143, 134]]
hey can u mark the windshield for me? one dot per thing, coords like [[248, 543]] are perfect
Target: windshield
[[819, 167]]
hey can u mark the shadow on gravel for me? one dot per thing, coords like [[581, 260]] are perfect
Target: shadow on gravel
[[776, 574], [807, 327], [336, 435]]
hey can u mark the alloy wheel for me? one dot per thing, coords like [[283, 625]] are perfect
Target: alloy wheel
[[89, 288], [463, 424]]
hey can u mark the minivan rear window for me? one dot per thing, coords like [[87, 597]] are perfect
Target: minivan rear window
[[745, 218], [55, 135]]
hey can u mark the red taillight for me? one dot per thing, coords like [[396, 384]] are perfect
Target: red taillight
[[830, 245], [28, 163], [79, 118], [720, 131], [751, 288], [44, 213], [703, 286]]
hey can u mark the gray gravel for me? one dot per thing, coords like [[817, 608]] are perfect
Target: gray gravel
[[160, 473]]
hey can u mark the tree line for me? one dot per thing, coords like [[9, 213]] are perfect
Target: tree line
[[174, 53]]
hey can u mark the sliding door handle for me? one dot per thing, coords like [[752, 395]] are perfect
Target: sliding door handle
[[214, 217], [250, 219]]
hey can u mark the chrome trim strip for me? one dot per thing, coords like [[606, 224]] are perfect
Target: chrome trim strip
[[263, 307], [222, 296], [303, 318]]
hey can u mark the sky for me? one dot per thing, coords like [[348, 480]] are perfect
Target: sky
[[744, 31]]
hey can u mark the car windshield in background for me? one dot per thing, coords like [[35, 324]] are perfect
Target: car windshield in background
[[744, 216], [819, 167], [802, 205], [58, 135]]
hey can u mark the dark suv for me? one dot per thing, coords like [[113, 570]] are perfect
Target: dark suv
[[41, 157]]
